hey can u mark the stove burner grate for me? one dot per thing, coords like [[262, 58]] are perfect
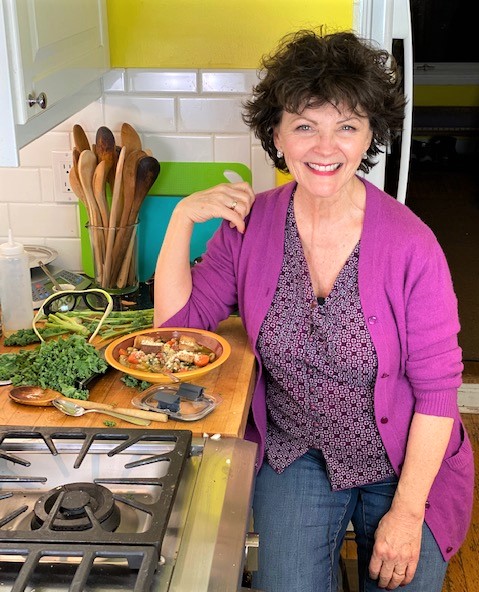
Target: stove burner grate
[[77, 506], [86, 520], [77, 576]]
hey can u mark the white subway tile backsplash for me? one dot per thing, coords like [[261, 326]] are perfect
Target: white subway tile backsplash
[[181, 115], [235, 81], [233, 148], [48, 220], [46, 184], [39, 152], [19, 185], [69, 253], [162, 81], [144, 113], [90, 118], [210, 115], [263, 170], [4, 221], [115, 80], [180, 148]]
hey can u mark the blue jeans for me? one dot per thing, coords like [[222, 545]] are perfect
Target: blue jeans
[[302, 523]]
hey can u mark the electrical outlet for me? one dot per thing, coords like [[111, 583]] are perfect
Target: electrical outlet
[[62, 164]]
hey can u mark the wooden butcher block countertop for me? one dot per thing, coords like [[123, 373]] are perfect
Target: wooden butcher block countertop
[[233, 381]]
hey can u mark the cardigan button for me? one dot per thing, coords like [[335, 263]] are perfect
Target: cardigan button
[[372, 320], [384, 375], [449, 549], [384, 419], [427, 505]]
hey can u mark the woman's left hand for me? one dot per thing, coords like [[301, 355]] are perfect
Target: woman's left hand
[[396, 550]]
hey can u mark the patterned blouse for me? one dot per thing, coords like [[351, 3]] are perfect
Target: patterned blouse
[[320, 368]]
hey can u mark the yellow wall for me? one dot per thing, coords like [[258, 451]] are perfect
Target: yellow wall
[[211, 33], [439, 96]]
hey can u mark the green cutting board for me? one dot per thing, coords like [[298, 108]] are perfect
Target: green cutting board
[[175, 181]]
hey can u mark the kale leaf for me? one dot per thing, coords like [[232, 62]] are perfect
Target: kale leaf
[[57, 364]]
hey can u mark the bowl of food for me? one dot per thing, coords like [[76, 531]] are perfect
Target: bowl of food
[[166, 355]]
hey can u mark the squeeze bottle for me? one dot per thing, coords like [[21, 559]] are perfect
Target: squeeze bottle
[[15, 287]]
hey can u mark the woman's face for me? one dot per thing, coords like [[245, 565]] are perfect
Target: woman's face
[[323, 147]]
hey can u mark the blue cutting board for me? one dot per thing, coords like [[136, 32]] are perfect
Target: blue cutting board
[[175, 181]]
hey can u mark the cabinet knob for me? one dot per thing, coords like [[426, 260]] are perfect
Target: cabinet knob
[[41, 100]]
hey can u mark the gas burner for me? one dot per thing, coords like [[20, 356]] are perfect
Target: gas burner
[[77, 506], [184, 507]]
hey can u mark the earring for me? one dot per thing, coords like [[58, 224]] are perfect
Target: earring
[[365, 155], [279, 154]]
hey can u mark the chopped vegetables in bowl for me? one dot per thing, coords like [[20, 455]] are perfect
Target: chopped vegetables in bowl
[[168, 355]]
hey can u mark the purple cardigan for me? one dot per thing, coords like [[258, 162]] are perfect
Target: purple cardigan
[[411, 312]]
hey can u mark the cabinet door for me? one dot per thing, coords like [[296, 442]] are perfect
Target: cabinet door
[[54, 48]]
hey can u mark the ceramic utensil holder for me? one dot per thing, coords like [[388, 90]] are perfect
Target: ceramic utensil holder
[[115, 257]]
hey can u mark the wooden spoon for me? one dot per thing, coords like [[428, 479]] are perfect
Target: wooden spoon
[[99, 191], [105, 147], [146, 174], [130, 138], [80, 138], [77, 187], [122, 235], [147, 171], [124, 274], [129, 181], [86, 168], [39, 397], [76, 156], [112, 223]]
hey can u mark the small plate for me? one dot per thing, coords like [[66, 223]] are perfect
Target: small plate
[[190, 409], [38, 253]]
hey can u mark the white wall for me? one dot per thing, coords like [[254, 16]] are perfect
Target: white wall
[[188, 115]]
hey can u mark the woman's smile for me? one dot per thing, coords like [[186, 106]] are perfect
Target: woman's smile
[[323, 146], [324, 168]]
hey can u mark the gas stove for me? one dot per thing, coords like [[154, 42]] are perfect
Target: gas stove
[[111, 509]]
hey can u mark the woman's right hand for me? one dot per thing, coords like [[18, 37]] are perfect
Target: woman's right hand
[[230, 201]]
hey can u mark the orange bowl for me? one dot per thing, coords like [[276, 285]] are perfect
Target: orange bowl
[[212, 341]]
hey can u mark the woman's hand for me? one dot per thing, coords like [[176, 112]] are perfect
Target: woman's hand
[[396, 550], [231, 201]]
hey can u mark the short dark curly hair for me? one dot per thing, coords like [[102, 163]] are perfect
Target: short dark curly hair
[[310, 69]]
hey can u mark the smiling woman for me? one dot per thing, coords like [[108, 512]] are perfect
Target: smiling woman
[[348, 301]]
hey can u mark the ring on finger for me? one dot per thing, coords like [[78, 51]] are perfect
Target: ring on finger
[[399, 574], [233, 206]]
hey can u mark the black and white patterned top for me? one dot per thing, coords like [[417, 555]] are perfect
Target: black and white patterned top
[[320, 367]]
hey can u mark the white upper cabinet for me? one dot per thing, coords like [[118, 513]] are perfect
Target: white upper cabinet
[[52, 56]]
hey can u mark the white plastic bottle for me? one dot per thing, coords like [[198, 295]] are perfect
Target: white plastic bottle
[[15, 287]]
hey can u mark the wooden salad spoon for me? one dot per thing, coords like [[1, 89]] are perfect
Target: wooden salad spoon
[[99, 191], [86, 168], [122, 235], [105, 147], [130, 138], [115, 205], [40, 397], [147, 171], [80, 138]]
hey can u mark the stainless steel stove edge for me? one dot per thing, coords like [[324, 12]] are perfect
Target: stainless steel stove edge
[[211, 554]]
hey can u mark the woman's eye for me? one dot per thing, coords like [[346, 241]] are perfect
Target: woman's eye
[[304, 127]]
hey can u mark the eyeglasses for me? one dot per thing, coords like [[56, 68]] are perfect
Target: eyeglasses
[[67, 300]]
